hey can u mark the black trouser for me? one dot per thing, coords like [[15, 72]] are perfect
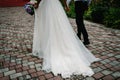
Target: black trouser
[[79, 10]]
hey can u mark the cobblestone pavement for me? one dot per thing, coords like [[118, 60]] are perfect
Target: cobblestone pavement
[[17, 63]]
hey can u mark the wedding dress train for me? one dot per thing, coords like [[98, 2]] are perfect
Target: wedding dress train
[[56, 42]]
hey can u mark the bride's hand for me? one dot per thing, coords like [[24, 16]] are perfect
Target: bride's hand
[[35, 5], [67, 9]]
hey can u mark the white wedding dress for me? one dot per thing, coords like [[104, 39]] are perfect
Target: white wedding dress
[[56, 42]]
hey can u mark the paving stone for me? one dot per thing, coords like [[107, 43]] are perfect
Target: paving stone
[[29, 54], [31, 63], [38, 68], [15, 75], [18, 59], [39, 73], [25, 64], [11, 67], [4, 70], [24, 72], [114, 63], [20, 56], [18, 66], [103, 62], [28, 76], [1, 56], [106, 72], [34, 75], [7, 56], [19, 70], [12, 60], [49, 75], [98, 75], [103, 53], [7, 59], [18, 62], [32, 71], [108, 77], [21, 78], [110, 55], [38, 65], [42, 78], [9, 72], [93, 65], [25, 68], [25, 61], [106, 60], [1, 75], [57, 78], [34, 78], [12, 64], [108, 65], [90, 78], [116, 74], [103, 67], [5, 78], [32, 66], [117, 56], [98, 69]]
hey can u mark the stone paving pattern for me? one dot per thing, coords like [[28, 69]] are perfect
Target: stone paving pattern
[[17, 62]]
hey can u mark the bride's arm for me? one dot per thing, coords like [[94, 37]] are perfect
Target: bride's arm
[[66, 6], [38, 2], [36, 5]]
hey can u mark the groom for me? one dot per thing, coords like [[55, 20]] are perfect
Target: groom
[[80, 7]]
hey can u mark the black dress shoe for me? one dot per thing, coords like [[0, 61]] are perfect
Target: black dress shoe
[[86, 43]]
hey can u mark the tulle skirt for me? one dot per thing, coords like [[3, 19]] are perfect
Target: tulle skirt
[[56, 42]]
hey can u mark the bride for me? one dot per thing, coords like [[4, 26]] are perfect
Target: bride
[[56, 42]]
